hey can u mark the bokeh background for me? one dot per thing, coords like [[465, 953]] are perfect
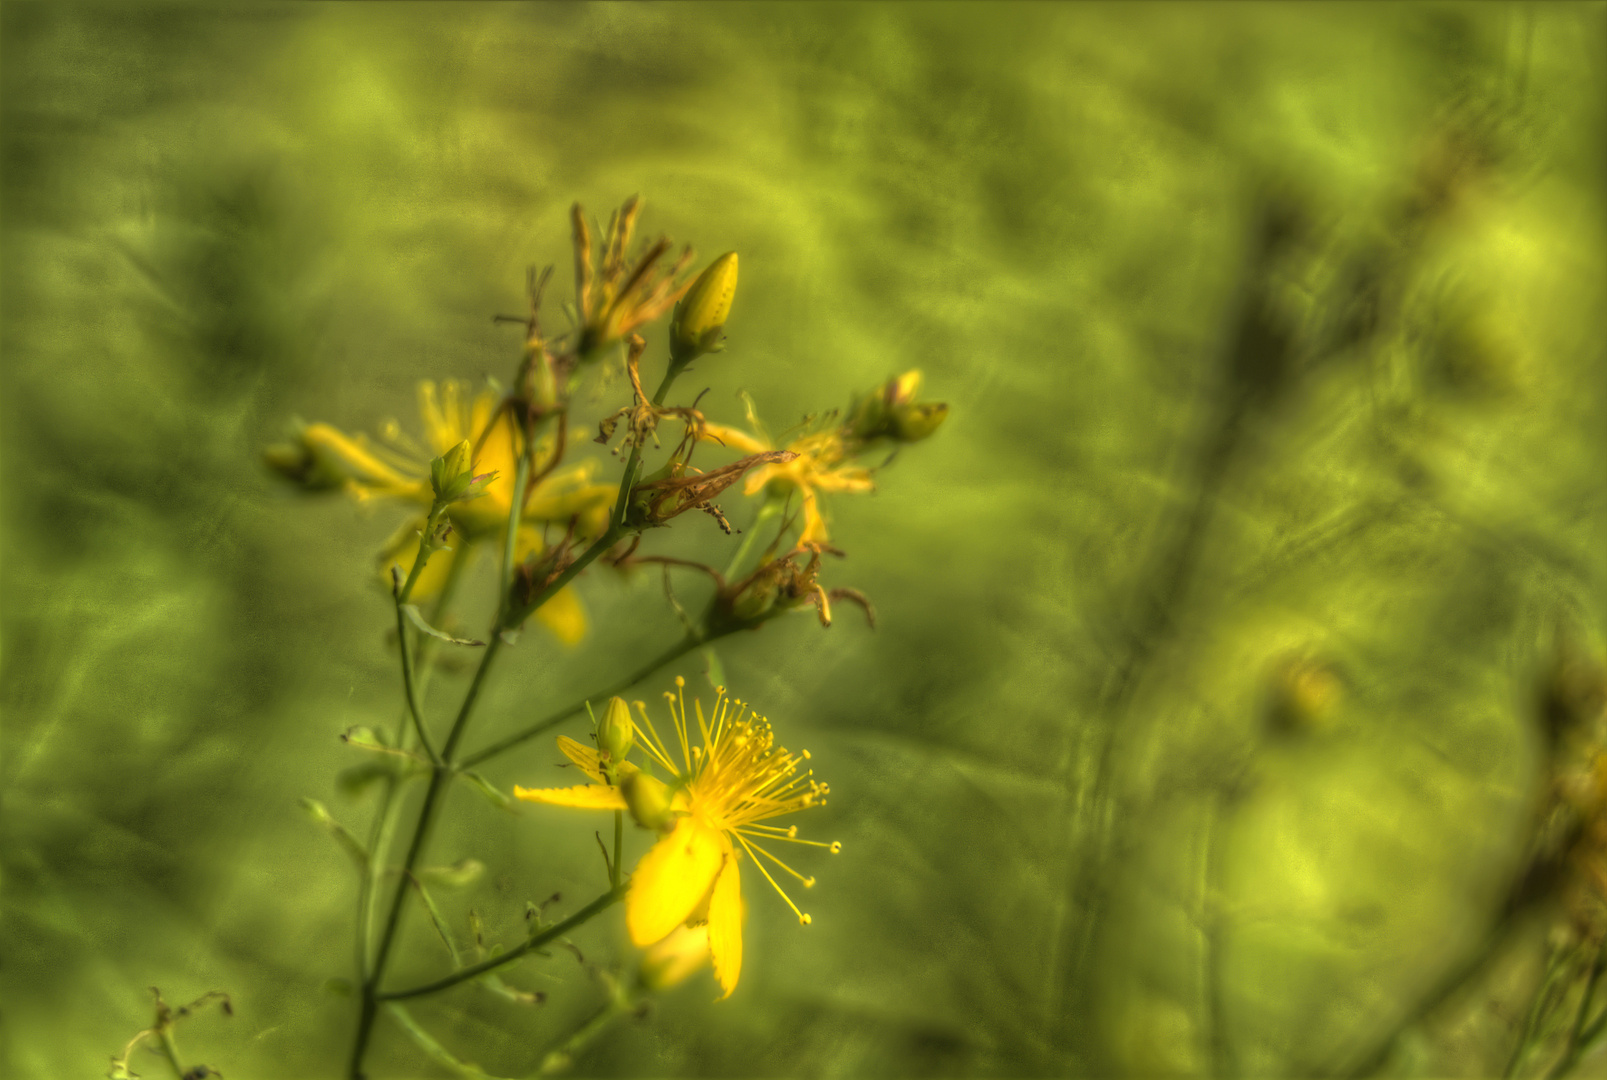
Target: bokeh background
[[1072, 846]]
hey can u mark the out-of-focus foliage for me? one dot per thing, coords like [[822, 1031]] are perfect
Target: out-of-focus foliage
[[1197, 733]]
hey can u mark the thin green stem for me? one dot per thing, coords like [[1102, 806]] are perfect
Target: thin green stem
[[619, 845], [425, 550], [584, 915], [506, 619], [408, 688], [769, 510], [635, 457], [170, 1050], [438, 777], [365, 1021], [521, 478], [379, 838], [553, 719], [560, 1059]]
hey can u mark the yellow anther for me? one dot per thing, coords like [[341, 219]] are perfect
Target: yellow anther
[[809, 883], [836, 846], [804, 920], [679, 681], [792, 832], [806, 755]]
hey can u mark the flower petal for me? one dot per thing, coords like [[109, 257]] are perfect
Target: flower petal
[[586, 796], [564, 616], [732, 438], [582, 755], [671, 880], [725, 925]]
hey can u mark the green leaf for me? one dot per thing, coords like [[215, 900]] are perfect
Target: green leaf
[[417, 620], [461, 873], [440, 923], [494, 795], [357, 779], [349, 843]]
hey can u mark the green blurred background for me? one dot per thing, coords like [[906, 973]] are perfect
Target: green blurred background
[[218, 217]]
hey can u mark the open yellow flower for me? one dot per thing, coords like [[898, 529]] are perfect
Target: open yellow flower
[[724, 793], [826, 451], [821, 465], [399, 469]]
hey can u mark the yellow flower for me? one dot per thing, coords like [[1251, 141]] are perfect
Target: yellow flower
[[401, 470], [725, 792], [821, 465]]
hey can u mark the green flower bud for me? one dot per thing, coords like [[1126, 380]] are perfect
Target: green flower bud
[[700, 317], [912, 423], [452, 475], [891, 411], [615, 733], [649, 800]]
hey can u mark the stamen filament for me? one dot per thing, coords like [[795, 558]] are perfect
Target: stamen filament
[[808, 882], [801, 916], [650, 740]]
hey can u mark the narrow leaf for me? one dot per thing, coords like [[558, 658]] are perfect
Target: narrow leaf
[[365, 738], [461, 873], [495, 795], [714, 671], [440, 924], [342, 835], [417, 620]]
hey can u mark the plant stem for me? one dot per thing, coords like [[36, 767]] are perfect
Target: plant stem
[[409, 690], [559, 1059], [769, 510], [170, 1049], [424, 552], [619, 845], [521, 477], [439, 776], [585, 914], [385, 817], [553, 719], [506, 619]]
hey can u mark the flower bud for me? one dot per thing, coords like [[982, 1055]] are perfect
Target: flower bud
[[676, 957], [891, 411], [700, 317], [452, 475], [649, 799], [912, 422], [615, 733]]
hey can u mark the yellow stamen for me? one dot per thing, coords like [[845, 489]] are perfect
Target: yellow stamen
[[801, 916]]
